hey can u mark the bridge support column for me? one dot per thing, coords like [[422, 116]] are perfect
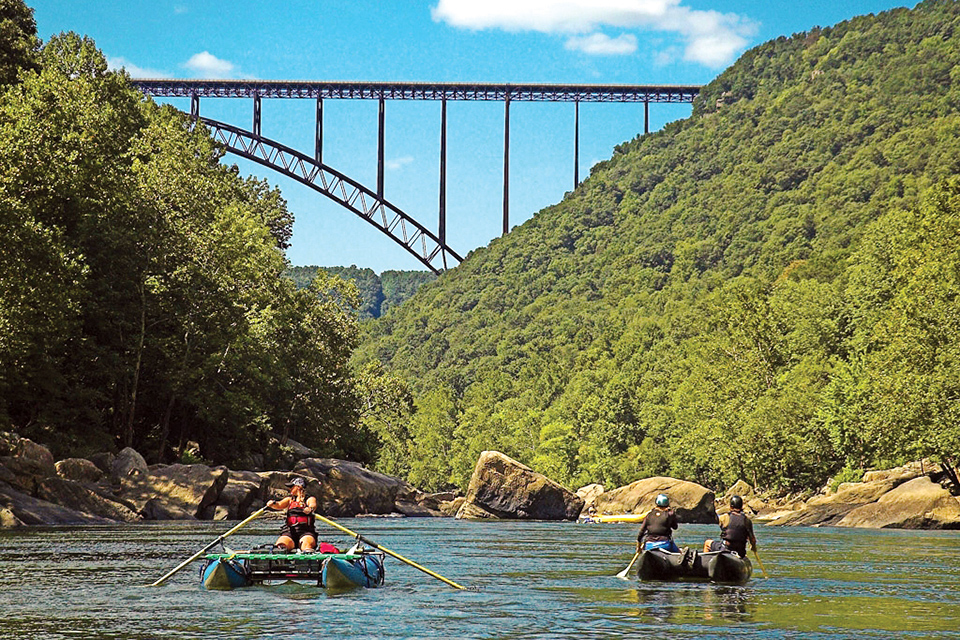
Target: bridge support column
[[194, 106], [646, 116], [442, 231], [576, 144], [506, 164], [380, 150], [318, 140], [256, 114]]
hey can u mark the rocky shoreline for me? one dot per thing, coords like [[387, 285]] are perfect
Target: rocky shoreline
[[35, 490]]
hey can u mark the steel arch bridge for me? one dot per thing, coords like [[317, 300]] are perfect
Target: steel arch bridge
[[370, 204]]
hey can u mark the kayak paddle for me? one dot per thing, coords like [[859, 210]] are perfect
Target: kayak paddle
[[387, 551], [206, 548], [623, 574]]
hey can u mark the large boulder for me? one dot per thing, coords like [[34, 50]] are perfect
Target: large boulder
[[855, 493], [589, 494], [128, 465], [899, 475], [818, 515], [238, 497], [26, 462], [31, 511], [174, 491], [504, 488], [79, 470], [345, 488], [830, 509], [916, 504], [85, 499], [692, 503]]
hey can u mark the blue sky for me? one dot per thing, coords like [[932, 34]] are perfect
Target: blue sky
[[498, 41]]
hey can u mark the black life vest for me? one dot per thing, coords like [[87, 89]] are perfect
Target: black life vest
[[736, 534]]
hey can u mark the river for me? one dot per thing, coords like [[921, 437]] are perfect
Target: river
[[534, 580]]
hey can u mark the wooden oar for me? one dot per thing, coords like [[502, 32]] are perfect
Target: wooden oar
[[760, 562], [387, 551], [623, 574], [207, 548]]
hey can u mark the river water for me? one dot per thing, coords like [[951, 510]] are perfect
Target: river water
[[533, 580]]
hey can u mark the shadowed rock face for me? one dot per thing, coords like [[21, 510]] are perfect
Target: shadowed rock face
[[504, 488], [902, 498], [692, 503], [916, 504]]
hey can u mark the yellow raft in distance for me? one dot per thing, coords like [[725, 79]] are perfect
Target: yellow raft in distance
[[617, 517]]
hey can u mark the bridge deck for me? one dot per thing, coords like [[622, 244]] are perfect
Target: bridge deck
[[678, 94]]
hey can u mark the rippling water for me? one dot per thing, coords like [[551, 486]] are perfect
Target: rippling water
[[535, 580]]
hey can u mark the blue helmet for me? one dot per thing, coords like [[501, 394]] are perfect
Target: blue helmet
[[663, 500]]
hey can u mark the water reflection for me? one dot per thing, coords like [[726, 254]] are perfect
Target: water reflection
[[684, 603]]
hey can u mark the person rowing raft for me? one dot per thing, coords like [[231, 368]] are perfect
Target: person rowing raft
[[298, 529], [658, 527]]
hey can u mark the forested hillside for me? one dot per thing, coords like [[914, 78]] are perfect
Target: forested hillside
[[377, 293], [766, 290], [141, 297]]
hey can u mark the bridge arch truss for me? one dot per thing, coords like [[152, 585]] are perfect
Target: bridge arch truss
[[402, 228]]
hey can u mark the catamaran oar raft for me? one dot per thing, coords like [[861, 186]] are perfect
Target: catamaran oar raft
[[355, 568]]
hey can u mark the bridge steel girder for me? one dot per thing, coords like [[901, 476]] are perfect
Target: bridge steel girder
[[379, 212], [678, 94]]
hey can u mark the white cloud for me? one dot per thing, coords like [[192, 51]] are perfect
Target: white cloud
[[709, 37], [118, 63], [207, 65], [602, 44], [399, 163]]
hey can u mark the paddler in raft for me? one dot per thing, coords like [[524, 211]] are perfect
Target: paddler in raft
[[657, 527], [735, 531], [298, 527]]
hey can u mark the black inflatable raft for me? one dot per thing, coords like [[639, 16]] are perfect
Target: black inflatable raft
[[715, 566]]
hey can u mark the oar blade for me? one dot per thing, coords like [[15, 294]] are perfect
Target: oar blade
[[623, 574]]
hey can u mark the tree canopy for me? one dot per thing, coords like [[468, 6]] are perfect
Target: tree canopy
[[142, 301], [761, 291]]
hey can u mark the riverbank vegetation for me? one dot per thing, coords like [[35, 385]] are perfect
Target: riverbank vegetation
[[766, 290], [141, 297]]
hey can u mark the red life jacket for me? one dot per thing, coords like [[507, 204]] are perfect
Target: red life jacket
[[296, 516]]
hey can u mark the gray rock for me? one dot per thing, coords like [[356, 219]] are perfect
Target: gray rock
[[78, 497], [175, 489], [916, 504], [589, 494], [26, 462], [33, 511], [691, 502], [79, 470], [345, 488], [128, 465], [243, 488], [501, 487], [103, 461]]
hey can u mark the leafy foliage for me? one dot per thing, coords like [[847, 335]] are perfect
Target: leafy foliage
[[142, 301], [731, 297], [378, 293]]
